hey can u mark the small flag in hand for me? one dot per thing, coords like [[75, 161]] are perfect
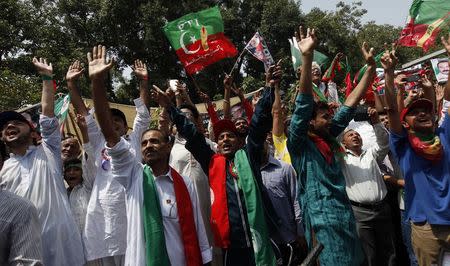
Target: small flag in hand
[[258, 48]]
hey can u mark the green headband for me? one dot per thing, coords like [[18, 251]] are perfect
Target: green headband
[[77, 165]]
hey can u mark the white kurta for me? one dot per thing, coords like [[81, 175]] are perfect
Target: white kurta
[[80, 194], [106, 221], [37, 176], [128, 171]]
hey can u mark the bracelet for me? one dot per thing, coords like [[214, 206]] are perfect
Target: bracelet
[[45, 77]]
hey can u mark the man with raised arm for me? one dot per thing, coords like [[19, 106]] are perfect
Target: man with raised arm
[[422, 150], [164, 223], [315, 153], [34, 172], [238, 197], [106, 222]]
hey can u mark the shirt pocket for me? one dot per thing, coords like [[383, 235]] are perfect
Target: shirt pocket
[[169, 208]]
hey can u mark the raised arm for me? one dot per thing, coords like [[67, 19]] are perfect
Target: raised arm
[[360, 90], [227, 82], [277, 114], [72, 76], [89, 169], [140, 70], [306, 45], [98, 70], [195, 141], [48, 92], [388, 61], [381, 149]]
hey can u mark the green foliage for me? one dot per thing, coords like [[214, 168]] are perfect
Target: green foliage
[[65, 30]]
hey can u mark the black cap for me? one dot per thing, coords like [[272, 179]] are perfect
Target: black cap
[[7, 116]]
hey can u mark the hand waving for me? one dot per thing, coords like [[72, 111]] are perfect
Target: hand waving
[[161, 97], [306, 43], [140, 70], [42, 67], [98, 65], [368, 54], [389, 59], [75, 71]]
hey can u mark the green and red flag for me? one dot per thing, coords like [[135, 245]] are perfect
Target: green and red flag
[[425, 20], [199, 40], [330, 73], [348, 79], [358, 76], [296, 55]]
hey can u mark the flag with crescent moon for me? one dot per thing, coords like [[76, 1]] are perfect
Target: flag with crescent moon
[[199, 39]]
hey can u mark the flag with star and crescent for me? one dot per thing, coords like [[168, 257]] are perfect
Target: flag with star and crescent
[[199, 39]]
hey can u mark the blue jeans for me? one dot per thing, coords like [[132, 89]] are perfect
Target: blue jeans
[[406, 234]]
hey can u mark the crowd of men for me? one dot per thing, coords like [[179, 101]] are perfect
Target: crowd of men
[[371, 182]]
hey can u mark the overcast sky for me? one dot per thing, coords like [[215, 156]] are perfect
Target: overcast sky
[[392, 12]]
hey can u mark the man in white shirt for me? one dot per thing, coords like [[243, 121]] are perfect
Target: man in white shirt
[[366, 190], [106, 222], [156, 176], [34, 172]]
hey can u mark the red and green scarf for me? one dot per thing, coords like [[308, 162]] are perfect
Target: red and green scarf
[[155, 244], [327, 147], [427, 146], [255, 213]]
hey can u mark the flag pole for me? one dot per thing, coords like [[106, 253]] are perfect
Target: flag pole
[[236, 63]]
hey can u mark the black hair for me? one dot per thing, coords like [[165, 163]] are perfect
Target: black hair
[[239, 118], [191, 108], [166, 137], [118, 113], [320, 105], [71, 161]]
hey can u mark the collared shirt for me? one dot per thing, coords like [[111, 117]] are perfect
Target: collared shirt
[[106, 220], [363, 177], [389, 166], [185, 164], [37, 176], [20, 233], [79, 196], [281, 182], [128, 171]]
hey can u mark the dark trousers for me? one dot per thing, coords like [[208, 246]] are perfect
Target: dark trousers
[[376, 231], [238, 257]]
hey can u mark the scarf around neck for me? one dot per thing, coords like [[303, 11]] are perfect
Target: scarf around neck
[[220, 224], [155, 244], [427, 146], [327, 147]]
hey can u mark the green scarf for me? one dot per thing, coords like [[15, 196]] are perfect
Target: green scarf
[[260, 238], [155, 243]]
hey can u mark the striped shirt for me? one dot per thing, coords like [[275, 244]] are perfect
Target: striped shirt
[[20, 236]]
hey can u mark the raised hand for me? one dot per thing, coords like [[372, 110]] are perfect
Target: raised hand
[[204, 97], [368, 54], [81, 122], [227, 81], [306, 43], [140, 69], [42, 67], [236, 90], [446, 44], [161, 97], [373, 114], [389, 59], [75, 71], [273, 75], [98, 65], [339, 56]]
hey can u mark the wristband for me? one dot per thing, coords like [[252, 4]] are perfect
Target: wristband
[[46, 77]]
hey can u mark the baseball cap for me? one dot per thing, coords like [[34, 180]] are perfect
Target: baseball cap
[[7, 116], [419, 103], [223, 125]]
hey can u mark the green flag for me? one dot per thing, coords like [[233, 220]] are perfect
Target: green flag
[[320, 58], [199, 40], [62, 107], [425, 19]]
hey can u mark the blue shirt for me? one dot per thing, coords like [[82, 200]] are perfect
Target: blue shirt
[[427, 183]]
